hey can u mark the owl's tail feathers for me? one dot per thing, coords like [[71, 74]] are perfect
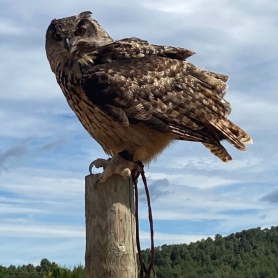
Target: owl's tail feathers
[[230, 132], [219, 151], [240, 134]]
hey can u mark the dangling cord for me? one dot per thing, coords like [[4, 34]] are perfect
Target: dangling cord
[[151, 265], [142, 264]]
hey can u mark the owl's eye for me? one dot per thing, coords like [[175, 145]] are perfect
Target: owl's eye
[[80, 31], [56, 36]]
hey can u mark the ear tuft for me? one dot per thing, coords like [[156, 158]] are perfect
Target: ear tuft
[[85, 14]]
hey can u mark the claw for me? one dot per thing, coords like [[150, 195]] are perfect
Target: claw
[[116, 165], [99, 162], [91, 167]]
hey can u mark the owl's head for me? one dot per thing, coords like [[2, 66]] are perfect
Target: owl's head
[[63, 34]]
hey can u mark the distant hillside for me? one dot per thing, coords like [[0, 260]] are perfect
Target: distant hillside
[[248, 254], [251, 253]]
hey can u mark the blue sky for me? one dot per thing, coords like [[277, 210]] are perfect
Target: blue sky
[[45, 152]]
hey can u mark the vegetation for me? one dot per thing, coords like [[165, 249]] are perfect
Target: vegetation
[[46, 269], [251, 253]]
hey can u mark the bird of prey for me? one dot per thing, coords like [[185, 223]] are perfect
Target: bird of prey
[[135, 98]]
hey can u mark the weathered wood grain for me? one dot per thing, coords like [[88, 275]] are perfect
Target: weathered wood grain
[[110, 228]]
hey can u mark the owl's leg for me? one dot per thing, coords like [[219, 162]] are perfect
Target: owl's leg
[[120, 163]]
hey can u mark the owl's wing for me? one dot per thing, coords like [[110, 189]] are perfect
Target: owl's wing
[[166, 94], [130, 48]]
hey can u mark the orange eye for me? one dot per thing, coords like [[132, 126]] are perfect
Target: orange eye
[[80, 31], [56, 36]]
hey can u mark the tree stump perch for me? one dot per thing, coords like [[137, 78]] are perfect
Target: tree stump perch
[[110, 228]]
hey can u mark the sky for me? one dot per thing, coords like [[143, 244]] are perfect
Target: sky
[[45, 152]]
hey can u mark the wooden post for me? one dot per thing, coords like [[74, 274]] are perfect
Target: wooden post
[[110, 228]]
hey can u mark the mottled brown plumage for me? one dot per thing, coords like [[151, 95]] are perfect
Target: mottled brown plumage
[[135, 96]]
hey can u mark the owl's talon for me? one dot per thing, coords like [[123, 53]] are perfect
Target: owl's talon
[[91, 167], [116, 165], [99, 162]]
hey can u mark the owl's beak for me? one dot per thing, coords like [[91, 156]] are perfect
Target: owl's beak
[[70, 45], [67, 44]]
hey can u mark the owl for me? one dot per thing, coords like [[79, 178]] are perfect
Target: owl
[[135, 98]]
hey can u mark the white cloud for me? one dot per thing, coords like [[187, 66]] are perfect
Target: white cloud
[[178, 7], [254, 111], [9, 28], [41, 230], [163, 238], [200, 181], [43, 184], [246, 23], [246, 221], [209, 163]]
